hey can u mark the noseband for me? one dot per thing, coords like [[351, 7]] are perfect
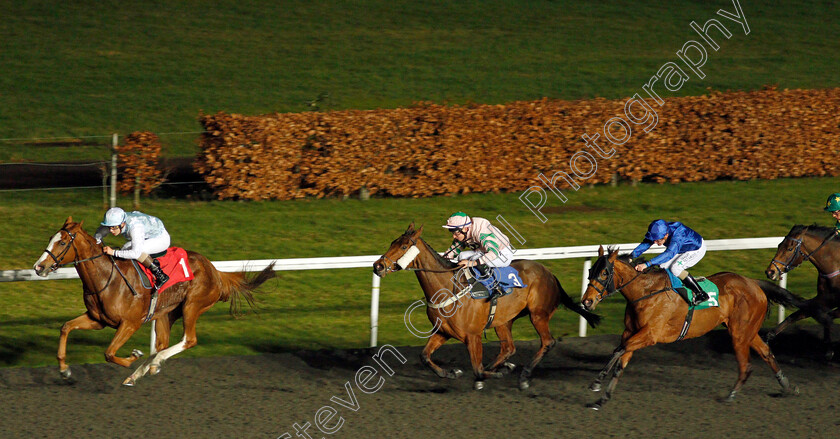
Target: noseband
[[393, 265]]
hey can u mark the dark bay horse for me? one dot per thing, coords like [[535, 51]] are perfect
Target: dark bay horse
[[655, 314], [465, 318], [110, 302], [821, 246]]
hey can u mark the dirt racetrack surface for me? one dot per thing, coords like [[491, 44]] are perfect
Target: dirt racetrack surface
[[667, 391]]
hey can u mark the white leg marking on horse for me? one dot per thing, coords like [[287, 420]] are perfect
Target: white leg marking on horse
[[169, 352]]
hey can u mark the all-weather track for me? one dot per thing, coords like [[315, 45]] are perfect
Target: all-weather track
[[667, 391]]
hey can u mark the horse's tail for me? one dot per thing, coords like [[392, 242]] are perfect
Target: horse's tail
[[592, 318], [780, 295], [237, 287]]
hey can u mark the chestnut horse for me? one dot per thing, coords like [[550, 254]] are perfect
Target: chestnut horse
[[465, 318], [111, 302], [655, 314], [821, 246]]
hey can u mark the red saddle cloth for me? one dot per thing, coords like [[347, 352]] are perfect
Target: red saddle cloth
[[175, 264]]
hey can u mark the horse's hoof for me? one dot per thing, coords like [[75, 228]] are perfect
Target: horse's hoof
[[508, 366], [595, 387], [454, 373], [65, 374], [136, 353], [524, 385], [479, 385], [829, 355], [129, 382], [769, 337], [793, 391], [594, 406], [154, 370], [729, 399]]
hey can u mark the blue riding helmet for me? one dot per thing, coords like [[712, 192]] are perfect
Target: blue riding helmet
[[657, 230]]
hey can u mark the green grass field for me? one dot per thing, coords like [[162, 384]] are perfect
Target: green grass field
[[93, 68], [325, 309]]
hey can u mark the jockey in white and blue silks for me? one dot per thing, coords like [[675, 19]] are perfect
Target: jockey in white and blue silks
[[684, 248], [145, 235]]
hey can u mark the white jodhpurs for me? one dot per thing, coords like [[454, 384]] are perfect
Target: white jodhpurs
[[684, 261]]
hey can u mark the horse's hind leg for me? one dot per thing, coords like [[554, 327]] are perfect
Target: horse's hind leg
[[506, 348], [763, 350], [435, 341], [81, 322], [191, 313], [540, 322]]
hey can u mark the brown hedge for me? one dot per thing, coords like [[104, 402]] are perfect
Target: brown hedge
[[432, 149], [139, 154]]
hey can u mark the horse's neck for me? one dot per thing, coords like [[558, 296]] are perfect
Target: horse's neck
[[636, 285], [827, 258], [431, 281], [93, 273]]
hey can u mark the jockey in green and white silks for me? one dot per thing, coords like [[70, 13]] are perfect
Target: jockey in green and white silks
[[489, 246], [832, 206], [145, 235]]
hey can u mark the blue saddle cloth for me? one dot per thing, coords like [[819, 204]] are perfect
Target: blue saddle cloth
[[506, 277]]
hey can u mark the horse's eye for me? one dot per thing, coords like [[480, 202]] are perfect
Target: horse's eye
[[62, 243], [602, 275], [404, 247]]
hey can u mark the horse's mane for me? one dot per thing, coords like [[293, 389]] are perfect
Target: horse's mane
[[820, 231], [445, 263]]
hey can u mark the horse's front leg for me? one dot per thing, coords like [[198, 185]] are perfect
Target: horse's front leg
[[596, 385], [124, 332], [476, 350], [82, 322], [435, 341]]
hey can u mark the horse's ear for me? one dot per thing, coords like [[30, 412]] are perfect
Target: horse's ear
[[410, 227], [419, 231], [600, 251], [613, 256], [69, 220]]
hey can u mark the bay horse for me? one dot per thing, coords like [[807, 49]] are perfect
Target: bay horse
[[653, 317], [821, 246], [111, 302], [464, 319]]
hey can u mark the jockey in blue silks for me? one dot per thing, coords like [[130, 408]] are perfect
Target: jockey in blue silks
[[683, 249]]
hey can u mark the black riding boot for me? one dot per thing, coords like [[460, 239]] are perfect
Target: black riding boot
[[160, 277], [484, 272], [700, 296]]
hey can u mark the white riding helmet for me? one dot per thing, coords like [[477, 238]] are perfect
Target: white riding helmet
[[113, 217], [457, 220]]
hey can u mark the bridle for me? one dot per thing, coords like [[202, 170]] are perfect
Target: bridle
[[605, 289], [394, 266], [60, 257], [799, 248]]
